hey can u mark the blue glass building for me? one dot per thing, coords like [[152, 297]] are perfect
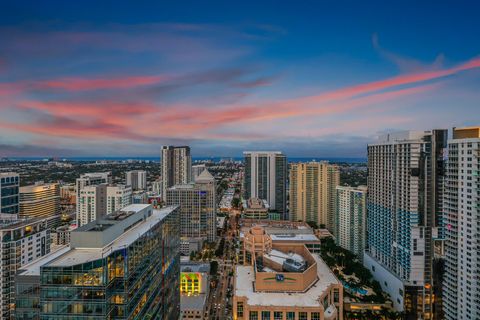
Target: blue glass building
[[9, 195]]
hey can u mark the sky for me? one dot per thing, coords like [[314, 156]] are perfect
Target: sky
[[309, 78]]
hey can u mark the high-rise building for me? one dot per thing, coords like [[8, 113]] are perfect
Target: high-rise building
[[312, 192], [461, 281], [123, 266], [9, 192], [198, 214], [351, 219], [22, 241], [40, 200], [266, 178], [118, 197], [89, 179], [176, 166], [137, 179], [92, 203], [404, 203], [197, 170]]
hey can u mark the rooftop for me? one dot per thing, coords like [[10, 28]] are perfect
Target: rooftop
[[78, 255], [244, 287], [33, 268], [193, 303]]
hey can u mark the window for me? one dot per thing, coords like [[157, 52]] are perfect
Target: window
[[240, 309], [302, 316], [278, 315], [253, 315], [265, 315], [290, 315], [315, 316]]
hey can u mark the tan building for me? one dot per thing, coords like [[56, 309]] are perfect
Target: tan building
[[284, 282], [40, 200], [313, 192], [255, 208]]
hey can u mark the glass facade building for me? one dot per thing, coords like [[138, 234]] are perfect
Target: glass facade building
[[9, 192], [134, 277]]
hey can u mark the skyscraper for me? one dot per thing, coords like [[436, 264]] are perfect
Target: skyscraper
[[176, 166], [351, 218], [405, 183], [9, 192], [92, 203], [118, 197], [40, 200], [137, 179], [22, 241], [198, 215], [266, 178], [312, 192], [123, 266], [197, 170], [461, 281]]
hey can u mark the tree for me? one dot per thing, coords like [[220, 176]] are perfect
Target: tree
[[213, 268], [312, 224]]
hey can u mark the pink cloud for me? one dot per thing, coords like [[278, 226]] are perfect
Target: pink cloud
[[82, 84]]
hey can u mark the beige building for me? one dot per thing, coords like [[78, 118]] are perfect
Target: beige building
[[312, 192], [284, 282], [40, 200], [255, 208]]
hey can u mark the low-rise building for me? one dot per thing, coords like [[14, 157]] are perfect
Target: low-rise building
[[194, 290], [255, 208], [284, 281]]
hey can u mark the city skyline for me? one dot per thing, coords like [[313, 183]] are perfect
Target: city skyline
[[309, 79]]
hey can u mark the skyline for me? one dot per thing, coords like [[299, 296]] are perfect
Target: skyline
[[311, 79]]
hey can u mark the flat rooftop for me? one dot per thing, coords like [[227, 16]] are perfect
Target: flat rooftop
[[82, 255], [33, 268], [193, 303], [280, 257], [244, 287], [294, 237]]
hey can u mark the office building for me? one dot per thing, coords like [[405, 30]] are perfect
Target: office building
[[40, 200], [404, 203], [9, 192], [284, 281], [22, 241], [61, 235], [123, 266], [89, 179], [92, 203], [198, 213], [255, 208], [266, 178], [351, 219], [313, 191], [118, 197], [176, 166], [194, 290], [197, 170], [137, 179], [461, 282]]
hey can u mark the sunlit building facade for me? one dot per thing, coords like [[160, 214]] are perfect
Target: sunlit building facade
[[40, 200], [176, 166]]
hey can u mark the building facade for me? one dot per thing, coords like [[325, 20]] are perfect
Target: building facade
[[266, 178], [194, 290], [9, 192], [118, 197], [284, 282], [404, 203], [351, 219], [137, 179], [40, 200], [197, 170], [126, 266], [461, 282], [176, 167], [198, 218], [91, 204], [85, 180], [22, 241], [313, 192]]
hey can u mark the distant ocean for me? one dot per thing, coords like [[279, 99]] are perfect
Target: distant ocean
[[215, 159]]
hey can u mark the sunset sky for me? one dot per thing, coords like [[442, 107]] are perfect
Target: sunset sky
[[310, 78]]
